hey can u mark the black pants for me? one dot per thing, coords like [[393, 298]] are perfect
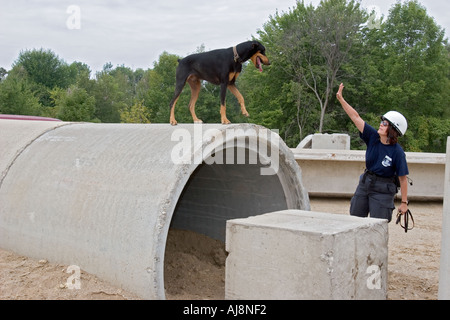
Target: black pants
[[374, 195]]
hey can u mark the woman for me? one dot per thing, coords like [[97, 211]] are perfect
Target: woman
[[385, 161]]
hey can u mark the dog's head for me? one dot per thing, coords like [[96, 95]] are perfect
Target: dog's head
[[259, 55], [254, 51]]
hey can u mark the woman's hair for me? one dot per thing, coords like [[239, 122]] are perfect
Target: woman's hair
[[392, 135]]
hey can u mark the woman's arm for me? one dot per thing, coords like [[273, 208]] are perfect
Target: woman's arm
[[352, 113], [404, 191]]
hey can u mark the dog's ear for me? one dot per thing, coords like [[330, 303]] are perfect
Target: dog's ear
[[258, 46]]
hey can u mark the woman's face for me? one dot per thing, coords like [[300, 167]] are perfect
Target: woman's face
[[384, 127]]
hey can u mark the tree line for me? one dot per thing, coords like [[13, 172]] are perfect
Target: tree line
[[399, 62]]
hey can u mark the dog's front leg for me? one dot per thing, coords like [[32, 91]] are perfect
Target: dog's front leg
[[239, 97], [223, 115], [223, 108]]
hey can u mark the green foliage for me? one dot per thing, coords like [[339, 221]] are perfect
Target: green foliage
[[45, 68], [307, 47], [3, 73], [17, 96], [73, 104], [137, 113], [415, 68], [161, 85], [398, 64], [427, 134]]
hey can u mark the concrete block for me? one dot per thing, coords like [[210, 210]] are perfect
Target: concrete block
[[295, 254], [335, 141]]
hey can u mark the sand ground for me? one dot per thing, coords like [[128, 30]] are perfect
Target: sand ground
[[195, 265]]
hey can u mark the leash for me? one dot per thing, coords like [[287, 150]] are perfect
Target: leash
[[405, 223]]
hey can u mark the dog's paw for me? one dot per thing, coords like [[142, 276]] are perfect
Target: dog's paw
[[226, 121], [198, 121], [173, 122]]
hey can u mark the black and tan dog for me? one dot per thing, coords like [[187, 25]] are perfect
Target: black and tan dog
[[220, 67]]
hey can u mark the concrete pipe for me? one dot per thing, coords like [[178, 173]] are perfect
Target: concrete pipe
[[103, 196]]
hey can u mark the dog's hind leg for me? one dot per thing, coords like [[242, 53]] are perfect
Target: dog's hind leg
[[195, 85], [172, 111], [178, 90], [240, 98]]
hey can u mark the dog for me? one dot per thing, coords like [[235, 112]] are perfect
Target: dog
[[219, 67]]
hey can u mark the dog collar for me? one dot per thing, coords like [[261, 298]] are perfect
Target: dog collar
[[236, 55]]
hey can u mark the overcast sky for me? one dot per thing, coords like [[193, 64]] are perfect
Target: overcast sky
[[136, 32]]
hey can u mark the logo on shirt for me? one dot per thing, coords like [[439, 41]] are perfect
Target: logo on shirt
[[387, 161]]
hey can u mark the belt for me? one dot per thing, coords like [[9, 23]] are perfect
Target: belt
[[376, 177]]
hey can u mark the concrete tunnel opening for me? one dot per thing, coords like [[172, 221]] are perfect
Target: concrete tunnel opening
[[195, 251]]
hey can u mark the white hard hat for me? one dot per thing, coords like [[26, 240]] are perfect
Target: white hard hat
[[397, 120]]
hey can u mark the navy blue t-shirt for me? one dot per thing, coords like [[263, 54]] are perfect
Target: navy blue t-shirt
[[383, 160]]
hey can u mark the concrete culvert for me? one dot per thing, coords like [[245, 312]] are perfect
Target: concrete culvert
[[103, 196]]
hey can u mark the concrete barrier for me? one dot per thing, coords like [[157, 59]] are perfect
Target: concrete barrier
[[103, 196], [335, 173], [444, 270], [296, 254]]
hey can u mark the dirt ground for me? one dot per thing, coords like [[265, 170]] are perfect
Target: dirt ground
[[195, 265]]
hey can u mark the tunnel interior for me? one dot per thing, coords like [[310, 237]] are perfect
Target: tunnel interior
[[195, 252], [216, 193]]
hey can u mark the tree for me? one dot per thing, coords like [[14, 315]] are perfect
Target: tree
[[137, 113], [82, 75], [415, 65], [161, 84], [109, 99], [409, 72], [45, 70], [45, 67], [73, 104], [320, 45], [17, 96], [3, 73], [308, 47], [127, 81]]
